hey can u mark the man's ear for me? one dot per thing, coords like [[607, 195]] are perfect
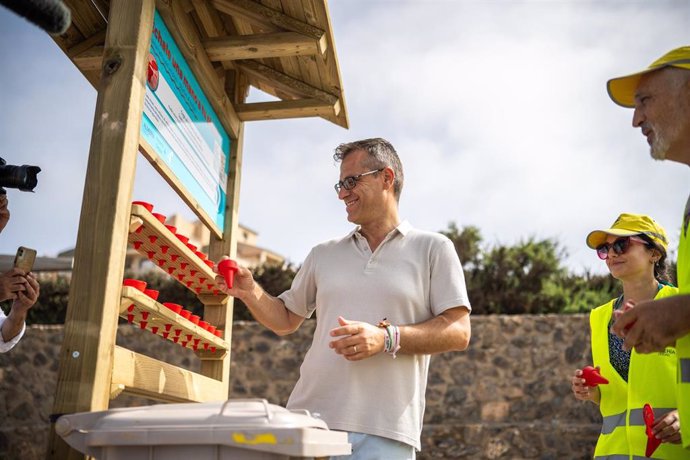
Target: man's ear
[[388, 176]]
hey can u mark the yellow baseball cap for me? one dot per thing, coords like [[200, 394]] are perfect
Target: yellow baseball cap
[[622, 89], [630, 225]]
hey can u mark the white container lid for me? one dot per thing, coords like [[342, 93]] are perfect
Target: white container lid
[[249, 424]]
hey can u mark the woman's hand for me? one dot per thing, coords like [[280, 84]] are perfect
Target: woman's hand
[[667, 428], [582, 391]]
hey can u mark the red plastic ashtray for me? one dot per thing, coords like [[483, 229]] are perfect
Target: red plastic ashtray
[[174, 307], [185, 314], [201, 255], [195, 319], [148, 206], [151, 293], [182, 238], [192, 247], [172, 228], [137, 284], [211, 328], [160, 217], [227, 269], [203, 324], [210, 263], [218, 333]]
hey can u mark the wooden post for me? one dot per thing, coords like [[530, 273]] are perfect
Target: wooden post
[[221, 313], [91, 325]]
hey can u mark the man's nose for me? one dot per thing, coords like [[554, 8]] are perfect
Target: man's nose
[[638, 117]]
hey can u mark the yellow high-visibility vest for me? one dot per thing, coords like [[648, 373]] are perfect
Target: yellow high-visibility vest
[[683, 344], [651, 380]]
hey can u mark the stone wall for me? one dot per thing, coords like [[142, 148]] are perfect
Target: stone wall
[[506, 397]]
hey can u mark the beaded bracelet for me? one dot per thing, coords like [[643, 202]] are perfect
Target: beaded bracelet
[[391, 343]]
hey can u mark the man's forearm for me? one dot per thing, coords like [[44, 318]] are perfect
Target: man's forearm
[[450, 331], [271, 311]]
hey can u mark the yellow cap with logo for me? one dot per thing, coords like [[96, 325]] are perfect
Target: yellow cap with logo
[[630, 225], [622, 89]]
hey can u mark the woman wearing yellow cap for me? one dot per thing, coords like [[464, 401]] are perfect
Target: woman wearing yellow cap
[[634, 249]]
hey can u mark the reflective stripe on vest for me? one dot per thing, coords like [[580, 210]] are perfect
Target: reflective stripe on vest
[[637, 419], [611, 422], [621, 457], [684, 364]]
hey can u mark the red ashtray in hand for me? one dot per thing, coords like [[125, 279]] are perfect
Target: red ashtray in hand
[[593, 377], [148, 206], [151, 293], [161, 218], [174, 307], [227, 269], [137, 284]]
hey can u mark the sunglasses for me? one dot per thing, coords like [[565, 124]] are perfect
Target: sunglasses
[[620, 246]]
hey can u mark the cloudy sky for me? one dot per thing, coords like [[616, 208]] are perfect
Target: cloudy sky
[[498, 110]]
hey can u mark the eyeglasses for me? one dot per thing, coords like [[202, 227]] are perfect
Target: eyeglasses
[[351, 181], [620, 246]]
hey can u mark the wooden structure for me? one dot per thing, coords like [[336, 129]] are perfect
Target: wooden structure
[[282, 47]]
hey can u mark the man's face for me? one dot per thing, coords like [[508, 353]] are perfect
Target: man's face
[[662, 111], [363, 202]]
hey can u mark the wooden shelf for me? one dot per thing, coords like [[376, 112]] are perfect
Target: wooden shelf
[[149, 314], [154, 240]]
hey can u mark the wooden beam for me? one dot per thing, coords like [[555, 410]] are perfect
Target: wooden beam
[[221, 311], [96, 39], [144, 376], [257, 13], [209, 18], [258, 46], [90, 59], [92, 313], [286, 109], [281, 81]]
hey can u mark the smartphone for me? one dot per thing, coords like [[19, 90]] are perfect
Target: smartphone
[[25, 259]]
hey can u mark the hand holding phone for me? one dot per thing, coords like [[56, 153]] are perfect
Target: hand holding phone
[[25, 259]]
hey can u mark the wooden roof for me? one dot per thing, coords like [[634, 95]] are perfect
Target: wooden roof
[[282, 47]]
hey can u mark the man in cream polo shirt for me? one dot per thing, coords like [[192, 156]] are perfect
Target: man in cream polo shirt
[[386, 297], [660, 95]]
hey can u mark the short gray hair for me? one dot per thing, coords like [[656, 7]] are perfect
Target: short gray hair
[[381, 155]]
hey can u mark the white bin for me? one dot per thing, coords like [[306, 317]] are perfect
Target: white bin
[[235, 429]]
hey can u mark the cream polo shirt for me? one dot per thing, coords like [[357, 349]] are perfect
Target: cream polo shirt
[[412, 277]]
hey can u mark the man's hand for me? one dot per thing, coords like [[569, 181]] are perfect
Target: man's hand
[[4, 212], [27, 297], [653, 325], [243, 284], [358, 340], [12, 282]]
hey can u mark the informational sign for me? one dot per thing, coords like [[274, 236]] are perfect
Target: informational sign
[[182, 128]]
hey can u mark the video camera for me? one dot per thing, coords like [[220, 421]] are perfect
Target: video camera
[[22, 177]]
